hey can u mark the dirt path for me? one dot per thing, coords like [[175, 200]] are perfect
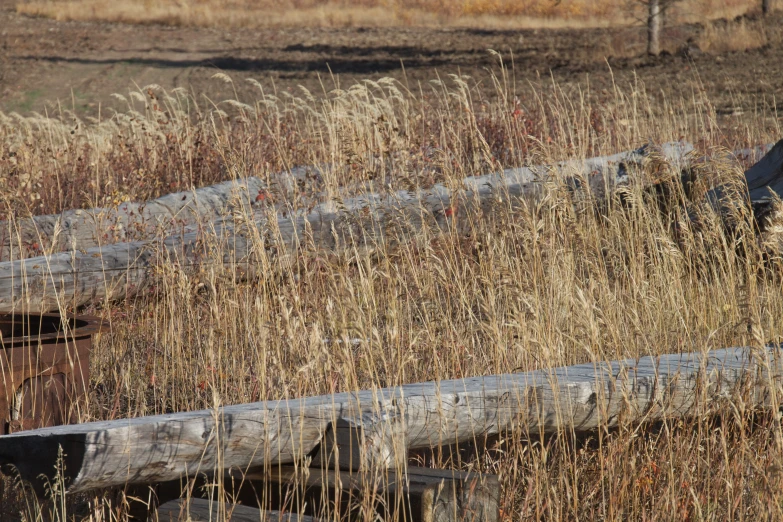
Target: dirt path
[[82, 64]]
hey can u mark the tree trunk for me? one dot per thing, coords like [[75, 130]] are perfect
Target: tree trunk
[[654, 27]]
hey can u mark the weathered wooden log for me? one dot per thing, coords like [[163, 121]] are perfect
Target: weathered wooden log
[[412, 493], [87, 228], [130, 221], [365, 453], [765, 177], [763, 180], [201, 510], [582, 397], [71, 279]]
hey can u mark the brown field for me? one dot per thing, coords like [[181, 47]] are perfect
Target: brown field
[[307, 13], [94, 113]]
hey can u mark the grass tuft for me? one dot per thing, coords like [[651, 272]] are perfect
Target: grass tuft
[[553, 283]]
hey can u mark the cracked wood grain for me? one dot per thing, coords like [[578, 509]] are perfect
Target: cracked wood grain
[[423, 415], [71, 279], [88, 228]]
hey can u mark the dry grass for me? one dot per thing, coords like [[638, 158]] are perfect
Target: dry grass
[[721, 37], [551, 284], [494, 13]]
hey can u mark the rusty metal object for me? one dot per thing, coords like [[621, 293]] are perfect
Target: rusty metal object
[[44, 367]]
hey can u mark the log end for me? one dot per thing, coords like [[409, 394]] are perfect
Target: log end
[[41, 462]]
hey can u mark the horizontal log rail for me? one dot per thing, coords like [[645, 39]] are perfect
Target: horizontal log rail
[[88, 228], [81, 229], [394, 421], [117, 271], [78, 277]]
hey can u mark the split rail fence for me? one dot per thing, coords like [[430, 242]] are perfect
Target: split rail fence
[[367, 431], [350, 435], [79, 270]]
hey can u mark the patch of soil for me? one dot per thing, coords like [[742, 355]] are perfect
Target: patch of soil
[[79, 64]]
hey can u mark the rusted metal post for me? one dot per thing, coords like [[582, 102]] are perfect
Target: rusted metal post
[[44, 362]]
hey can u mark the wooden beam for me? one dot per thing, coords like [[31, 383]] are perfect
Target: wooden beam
[[87, 228], [369, 453], [71, 279], [766, 176], [116, 271], [582, 397], [410, 493], [201, 510], [763, 180], [132, 221]]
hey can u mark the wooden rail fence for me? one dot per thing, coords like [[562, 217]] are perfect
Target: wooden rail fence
[[116, 271], [169, 214], [351, 435], [88, 228], [389, 422]]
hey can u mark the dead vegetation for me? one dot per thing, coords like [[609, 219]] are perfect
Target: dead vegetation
[[550, 284], [339, 13], [721, 37]]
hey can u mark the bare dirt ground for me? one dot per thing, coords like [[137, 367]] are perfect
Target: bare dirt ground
[[81, 64]]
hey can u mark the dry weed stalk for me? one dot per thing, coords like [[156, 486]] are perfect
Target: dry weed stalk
[[554, 283], [247, 13]]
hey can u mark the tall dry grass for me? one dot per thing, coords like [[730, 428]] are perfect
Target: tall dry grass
[[551, 284], [308, 13], [721, 37]]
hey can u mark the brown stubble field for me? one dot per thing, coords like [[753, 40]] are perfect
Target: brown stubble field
[[81, 63], [136, 111]]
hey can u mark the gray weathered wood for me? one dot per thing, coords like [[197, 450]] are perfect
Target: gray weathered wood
[[130, 221], [121, 270], [87, 228], [582, 397], [367, 453], [765, 178], [762, 186], [408, 493], [362, 443], [201, 510]]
